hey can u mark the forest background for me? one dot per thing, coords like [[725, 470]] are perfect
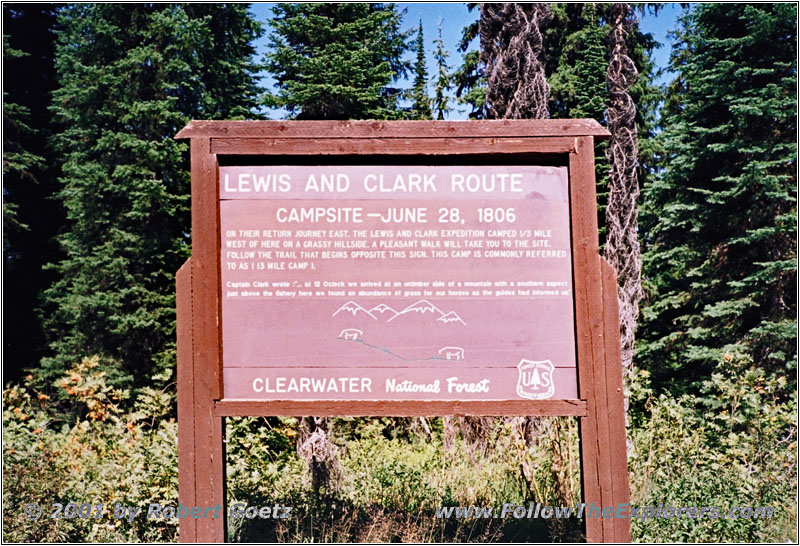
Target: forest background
[[96, 222]]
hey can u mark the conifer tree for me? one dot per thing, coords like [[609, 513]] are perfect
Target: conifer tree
[[577, 47], [337, 60], [469, 78], [18, 161], [720, 224], [442, 83], [421, 103], [583, 67], [571, 46], [573, 26], [583, 64], [129, 77], [31, 217], [576, 64]]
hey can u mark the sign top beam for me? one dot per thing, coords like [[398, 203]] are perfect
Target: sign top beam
[[394, 129]]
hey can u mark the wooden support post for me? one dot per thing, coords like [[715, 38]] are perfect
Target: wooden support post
[[603, 444], [187, 530], [617, 446], [209, 464], [589, 324]]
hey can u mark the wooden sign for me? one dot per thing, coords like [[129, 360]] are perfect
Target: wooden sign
[[395, 282], [397, 268]]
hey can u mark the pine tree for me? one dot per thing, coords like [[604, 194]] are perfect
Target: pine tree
[[130, 76], [573, 34], [18, 162], [576, 62], [577, 59], [576, 52], [441, 101], [337, 60], [561, 50], [421, 103], [225, 61], [584, 63], [574, 66], [470, 77], [31, 217], [720, 224], [583, 66]]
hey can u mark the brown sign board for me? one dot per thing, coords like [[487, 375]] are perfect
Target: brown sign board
[[398, 282], [397, 268]]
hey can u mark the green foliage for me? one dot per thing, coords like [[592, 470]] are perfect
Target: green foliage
[[420, 102], [22, 159], [578, 75], [470, 77], [576, 61], [443, 80], [392, 484], [17, 161], [470, 84], [130, 76], [734, 445], [576, 66], [30, 216], [336, 61], [720, 223], [105, 456]]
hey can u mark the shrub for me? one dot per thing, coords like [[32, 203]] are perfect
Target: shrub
[[736, 445], [102, 457], [733, 445]]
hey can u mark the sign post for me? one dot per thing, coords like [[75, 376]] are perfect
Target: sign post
[[367, 268]]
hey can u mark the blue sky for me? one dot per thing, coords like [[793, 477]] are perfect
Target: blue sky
[[455, 16]]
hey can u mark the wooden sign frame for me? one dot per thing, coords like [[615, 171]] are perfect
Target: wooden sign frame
[[202, 406]]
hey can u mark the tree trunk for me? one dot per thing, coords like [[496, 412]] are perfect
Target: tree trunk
[[622, 243], [511, 50]]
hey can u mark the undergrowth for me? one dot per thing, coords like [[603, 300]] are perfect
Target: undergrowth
[[734, 445]]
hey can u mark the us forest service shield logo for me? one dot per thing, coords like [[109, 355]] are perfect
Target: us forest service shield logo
[[535, 379]]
